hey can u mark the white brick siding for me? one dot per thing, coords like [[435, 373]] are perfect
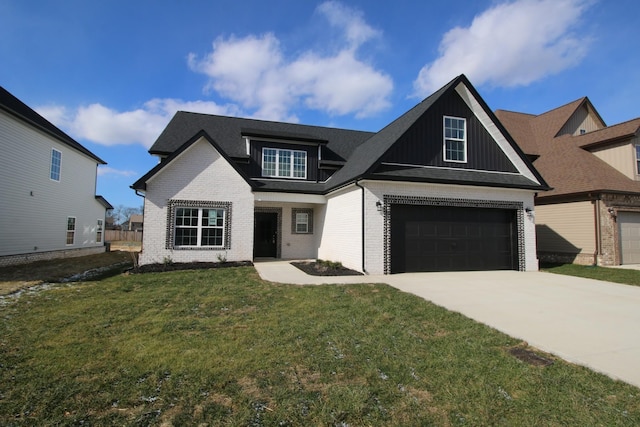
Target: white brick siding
[[341, 238], [200, 173]]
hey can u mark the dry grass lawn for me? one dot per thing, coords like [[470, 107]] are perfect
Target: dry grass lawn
[[16, 277]]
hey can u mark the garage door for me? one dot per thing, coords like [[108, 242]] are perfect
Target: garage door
[[436, 238], [629, 237]]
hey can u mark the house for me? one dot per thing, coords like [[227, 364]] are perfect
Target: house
[[134, 223], [443, 187], [592, 215], [48, 205]]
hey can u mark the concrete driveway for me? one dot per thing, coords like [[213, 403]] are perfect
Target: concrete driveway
[[587, 322]]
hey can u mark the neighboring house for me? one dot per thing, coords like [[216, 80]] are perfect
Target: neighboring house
[[443, 187], [135, 223], [48, 205], [592, 215]]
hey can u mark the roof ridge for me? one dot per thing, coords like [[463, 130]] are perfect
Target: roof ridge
[[563, 106]]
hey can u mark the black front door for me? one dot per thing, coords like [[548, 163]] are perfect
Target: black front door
[[265, 235]]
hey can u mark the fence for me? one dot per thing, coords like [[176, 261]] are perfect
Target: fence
[[122, 235]]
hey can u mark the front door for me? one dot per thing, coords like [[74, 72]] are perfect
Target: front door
[[265, 235]]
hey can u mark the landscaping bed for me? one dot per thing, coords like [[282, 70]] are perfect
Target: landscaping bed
[[325, 268]]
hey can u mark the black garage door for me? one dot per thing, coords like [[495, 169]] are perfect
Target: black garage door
[[436, 238]]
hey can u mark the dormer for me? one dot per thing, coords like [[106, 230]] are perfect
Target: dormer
[[584, 119]]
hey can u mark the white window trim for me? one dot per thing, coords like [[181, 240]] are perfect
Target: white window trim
[[100, 229], [200, 227], [444, 139], [292, 168], [51, 166], [637, 158], [67, 231], [294, 220]]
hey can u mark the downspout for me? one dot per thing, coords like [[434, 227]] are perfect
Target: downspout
[[362, 237], [598, 231]]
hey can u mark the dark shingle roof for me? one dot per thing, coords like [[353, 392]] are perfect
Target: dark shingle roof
[[19, 109], [360, 151]]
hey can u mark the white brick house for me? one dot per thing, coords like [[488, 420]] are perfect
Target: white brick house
[[443, 187], [48, 205]]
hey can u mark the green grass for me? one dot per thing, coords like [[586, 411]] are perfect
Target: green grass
[[224, 348], [616, 275]]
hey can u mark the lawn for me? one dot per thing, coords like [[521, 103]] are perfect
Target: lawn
[[224, 348], [20, 276], [616, 275]]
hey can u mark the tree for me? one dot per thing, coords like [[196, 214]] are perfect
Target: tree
[[121, 214]]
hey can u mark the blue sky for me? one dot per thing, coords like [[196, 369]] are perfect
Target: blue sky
[[112, 73]]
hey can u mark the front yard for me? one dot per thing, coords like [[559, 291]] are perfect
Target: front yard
[[222, 347]]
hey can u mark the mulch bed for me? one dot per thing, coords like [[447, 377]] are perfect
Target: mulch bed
[[315, 268], [176, 266]]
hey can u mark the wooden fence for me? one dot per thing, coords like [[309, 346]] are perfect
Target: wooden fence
[[122, 235]]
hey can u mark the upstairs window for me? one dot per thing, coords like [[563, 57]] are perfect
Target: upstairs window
[[56, 163], [284, 163], [638, 159], [455, 139]]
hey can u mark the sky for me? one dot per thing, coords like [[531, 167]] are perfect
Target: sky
[[111, 74]]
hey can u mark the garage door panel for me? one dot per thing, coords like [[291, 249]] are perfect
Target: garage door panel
[[436, 238], [629, 224]]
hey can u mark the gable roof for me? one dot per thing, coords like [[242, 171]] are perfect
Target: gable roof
[[360, 152], [564, 160], [20, 110]]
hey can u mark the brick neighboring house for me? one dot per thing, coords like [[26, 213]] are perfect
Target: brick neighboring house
[[48, 205], [592, 214], [441, 188]]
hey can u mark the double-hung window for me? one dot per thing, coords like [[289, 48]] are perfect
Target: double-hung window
[[284, 163], [638, 159], [301, 221], [56, 164], [455, 139], [99, 231], [200, 227], [71, 230]]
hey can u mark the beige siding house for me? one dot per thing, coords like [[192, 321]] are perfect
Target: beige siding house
[[592, 214], [48, 207]]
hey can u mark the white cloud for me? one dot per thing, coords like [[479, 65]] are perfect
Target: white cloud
[[106, 170], [106, 126], [356, 30], [511, 44], [254, 72]]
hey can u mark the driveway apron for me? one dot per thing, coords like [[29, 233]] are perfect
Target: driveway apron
[[587, 322]]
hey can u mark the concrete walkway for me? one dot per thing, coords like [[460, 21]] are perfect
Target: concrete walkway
[[587, 322]]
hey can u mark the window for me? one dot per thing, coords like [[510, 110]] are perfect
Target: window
[[638, 159], [201, 227], [71, 230], [301, 221], [284, 163], [455, 140], [56, 163], [99, 231]]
